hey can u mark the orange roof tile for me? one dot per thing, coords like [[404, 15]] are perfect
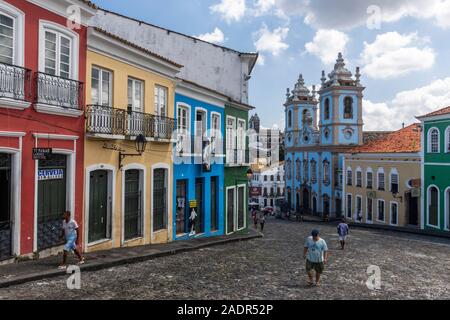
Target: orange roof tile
[[440, 112], [402, 141]]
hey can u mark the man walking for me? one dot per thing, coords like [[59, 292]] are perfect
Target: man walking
[[343, 233], [262, 220], [71, 234], [316, 254], [193, 220]]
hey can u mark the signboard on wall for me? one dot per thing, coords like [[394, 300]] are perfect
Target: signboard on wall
[[255, 191], [42, 153], [193, 204], [50, 174]]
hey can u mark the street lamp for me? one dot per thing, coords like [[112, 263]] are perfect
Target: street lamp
[[140, 145]]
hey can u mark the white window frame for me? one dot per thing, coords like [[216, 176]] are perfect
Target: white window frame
[[133, 89], [74, 50], [369, 170], [430, 139], [393, 172], [18, 31], [161, 105], [428, 207], [381, 171], [184, 133], [367, 210], [358, 170], [356, 208], [349, 175], [240, 140], [101, 70], [231, 139], [347, 206], [390, 212], [447, 140], [378, 210]]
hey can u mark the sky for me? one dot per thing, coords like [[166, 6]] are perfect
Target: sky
[[401, 46]]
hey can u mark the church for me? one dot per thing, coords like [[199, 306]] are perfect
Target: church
[[316, 141]]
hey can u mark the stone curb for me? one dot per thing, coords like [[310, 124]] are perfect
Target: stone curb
[[108, 263]]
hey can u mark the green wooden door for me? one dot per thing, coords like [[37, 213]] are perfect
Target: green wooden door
[[98, 206], [133, 205], [52, 200]]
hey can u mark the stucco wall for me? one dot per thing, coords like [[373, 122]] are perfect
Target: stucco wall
[[206, 64]]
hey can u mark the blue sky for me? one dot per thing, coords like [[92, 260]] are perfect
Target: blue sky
[[402, 47]]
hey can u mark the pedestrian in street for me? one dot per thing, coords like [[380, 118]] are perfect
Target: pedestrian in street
[[262, 220], [255, 218], [71, 233], [343, 232], [316, 254], [193, 219]]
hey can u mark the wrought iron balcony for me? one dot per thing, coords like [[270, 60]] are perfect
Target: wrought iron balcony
[[15, 82], [105, 120], [59, 92]]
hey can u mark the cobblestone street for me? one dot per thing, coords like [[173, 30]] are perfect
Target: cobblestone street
[[270, 268]]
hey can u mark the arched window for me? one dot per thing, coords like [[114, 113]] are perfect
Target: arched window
[[369, 178], [381, 179], [305, 171], [447, 140], [433, 140], [288, 169], [313, 171], [348, 108], [326, 172], [349, 176], [327, 109], [359, 177], [290, 118], [394, 180], [433, 206], [298, 168]]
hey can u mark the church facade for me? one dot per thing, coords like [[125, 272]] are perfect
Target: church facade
[[316, 141]]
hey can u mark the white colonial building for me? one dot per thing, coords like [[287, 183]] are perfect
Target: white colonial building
[[268, 184]]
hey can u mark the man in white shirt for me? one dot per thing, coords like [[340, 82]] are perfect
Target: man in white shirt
[[71, 234], [192, 219]]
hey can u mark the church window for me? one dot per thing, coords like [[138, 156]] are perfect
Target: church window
[[327, 109], [348, 108]]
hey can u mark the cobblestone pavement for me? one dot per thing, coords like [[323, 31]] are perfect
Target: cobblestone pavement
[[270, 268]]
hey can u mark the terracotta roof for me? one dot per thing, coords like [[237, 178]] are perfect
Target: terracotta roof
[[135, 46], [89, 3], [369, 136], [402, 141], [440, 112]]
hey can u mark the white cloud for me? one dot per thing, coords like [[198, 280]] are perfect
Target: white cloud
[[263, 7], [406, 106], [347, 14], [261, 60], [327, 44], [230, 10], [216, 36], [392, 55], [271, 41]]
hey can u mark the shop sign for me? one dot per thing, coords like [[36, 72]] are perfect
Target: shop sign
[[42, 153], [50, 174], [193, 204]]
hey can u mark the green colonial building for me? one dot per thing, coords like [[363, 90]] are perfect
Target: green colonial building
[[436, 170], [236, 167]]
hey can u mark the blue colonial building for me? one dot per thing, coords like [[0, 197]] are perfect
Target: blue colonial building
[[315, 144], [198, 161]]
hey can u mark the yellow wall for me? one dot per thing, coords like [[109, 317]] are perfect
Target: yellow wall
[[156, 153], [408, 167]]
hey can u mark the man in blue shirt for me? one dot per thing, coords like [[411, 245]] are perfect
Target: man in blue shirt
[[316, 254], [343, 233]]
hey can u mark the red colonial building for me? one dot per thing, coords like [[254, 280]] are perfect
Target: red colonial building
[[42, 74]]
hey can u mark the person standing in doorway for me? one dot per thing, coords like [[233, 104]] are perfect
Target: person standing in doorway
[[193, 219], [71, 234], [343, 232], [316, 254]]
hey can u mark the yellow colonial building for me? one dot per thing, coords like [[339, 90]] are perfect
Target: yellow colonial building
[[382, 180], [128, 147]]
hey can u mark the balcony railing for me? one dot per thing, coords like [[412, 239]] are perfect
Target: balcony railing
[[15, 82], [111, 121], [59, 92], [238, 157]]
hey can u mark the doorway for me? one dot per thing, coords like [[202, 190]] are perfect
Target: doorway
[[200, 224], [99, 221], [52, 200], [412, 207], [182, 208], [230, 210], [306, 206], [5, 207], [133, 205]]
